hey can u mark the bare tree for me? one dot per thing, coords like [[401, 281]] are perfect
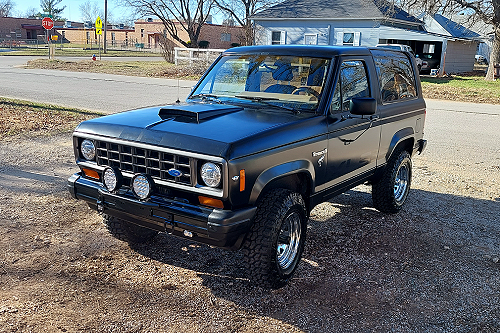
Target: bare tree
[[190, 15], [6, 8], [49, 7], [31, 12], [242, 10], [487, 11], [89, 10]]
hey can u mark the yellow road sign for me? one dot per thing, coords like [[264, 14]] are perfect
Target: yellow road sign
[[98, 31], [98, 23]]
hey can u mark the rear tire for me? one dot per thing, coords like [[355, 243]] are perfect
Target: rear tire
[[275, 243], [390, 192], [126, 231]]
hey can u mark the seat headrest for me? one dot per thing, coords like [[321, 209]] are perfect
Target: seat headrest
[[283, 71]]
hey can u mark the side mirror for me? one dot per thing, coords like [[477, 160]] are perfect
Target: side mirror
[[363, 106]]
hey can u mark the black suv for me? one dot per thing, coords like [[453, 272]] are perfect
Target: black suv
[[266, 134]]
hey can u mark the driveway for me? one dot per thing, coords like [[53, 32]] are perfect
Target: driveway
[[431, 268]]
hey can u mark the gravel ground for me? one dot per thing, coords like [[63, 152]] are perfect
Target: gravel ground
[[434, 267]]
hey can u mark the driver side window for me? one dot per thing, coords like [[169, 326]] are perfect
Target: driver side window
[[352, 83]]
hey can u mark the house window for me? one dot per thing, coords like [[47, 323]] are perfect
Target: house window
[[310, 39], [277, 37], [88, 36], [142, 33], [225, 37], [64, 34], [113, 37], [348, 38]]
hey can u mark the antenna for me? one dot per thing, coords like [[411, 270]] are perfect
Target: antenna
[[178, 92]]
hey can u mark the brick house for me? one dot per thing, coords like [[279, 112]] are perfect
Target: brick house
[[146, 33], [219, 36], [12, 28]]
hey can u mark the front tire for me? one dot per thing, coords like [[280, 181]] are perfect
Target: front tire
[[126, 231], [275, 243], [390, 192]]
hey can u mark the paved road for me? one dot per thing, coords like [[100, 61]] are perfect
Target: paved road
[[97, 92], [113, 93]]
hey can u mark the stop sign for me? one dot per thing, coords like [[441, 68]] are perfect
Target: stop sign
[[47, 23]]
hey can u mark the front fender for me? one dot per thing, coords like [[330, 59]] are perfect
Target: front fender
[[280, 171]]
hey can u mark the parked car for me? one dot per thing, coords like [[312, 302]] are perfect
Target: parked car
[[266, 134], [480, 59], [430, 61], [402, 47]]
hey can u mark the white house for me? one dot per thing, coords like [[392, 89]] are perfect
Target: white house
[[365, 23]]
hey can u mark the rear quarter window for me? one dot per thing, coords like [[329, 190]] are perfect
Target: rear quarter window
[[395, 75]]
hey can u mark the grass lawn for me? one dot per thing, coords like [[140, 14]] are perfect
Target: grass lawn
[[462, 88], [77, 51], [134, 68], [22, 117]]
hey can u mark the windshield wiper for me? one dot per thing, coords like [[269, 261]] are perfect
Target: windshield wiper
[[258, 99], [207, 97], [265, 100]]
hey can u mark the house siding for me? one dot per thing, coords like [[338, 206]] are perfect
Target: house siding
[[327, 31], [459, 56]]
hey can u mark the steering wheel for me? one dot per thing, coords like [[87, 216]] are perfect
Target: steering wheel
[[307, 91]]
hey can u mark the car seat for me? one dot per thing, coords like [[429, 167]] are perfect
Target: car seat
[[283, 72]]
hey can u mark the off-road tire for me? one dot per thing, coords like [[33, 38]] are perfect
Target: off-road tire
[[386, 194], [276, 210], [126, 231]]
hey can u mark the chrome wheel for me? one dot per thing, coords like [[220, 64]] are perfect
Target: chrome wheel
[[289, 241], [401, 183]]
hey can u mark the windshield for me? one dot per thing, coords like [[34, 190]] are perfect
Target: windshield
[[286, 82]]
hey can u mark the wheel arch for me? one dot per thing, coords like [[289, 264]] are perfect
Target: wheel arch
[[296, 176], [402, 139]]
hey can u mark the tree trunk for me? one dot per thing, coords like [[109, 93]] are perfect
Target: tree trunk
[[494, 56]]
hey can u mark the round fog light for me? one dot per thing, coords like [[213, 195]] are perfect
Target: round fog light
[[112, 179], [142, 186]]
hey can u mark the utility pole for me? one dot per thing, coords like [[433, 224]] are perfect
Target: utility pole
[[105, 24]]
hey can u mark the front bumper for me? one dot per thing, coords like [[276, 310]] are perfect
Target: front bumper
[[222, 228]]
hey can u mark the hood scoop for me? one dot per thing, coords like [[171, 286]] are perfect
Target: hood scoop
[[196, 112]]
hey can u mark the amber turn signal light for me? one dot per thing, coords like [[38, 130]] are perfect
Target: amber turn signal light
[[91, 173], [215, 203], [242, 180]]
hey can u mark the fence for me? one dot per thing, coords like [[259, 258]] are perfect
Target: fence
[[183, 54], [20, 43]]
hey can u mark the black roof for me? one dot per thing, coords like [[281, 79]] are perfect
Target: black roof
[[335, 9], [318, 51]]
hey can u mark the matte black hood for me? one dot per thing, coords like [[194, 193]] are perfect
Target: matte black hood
[[210, 129]]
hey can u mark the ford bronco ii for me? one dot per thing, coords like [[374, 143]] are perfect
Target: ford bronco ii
[[265, 135]]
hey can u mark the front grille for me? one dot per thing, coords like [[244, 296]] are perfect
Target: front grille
[[149, 161]]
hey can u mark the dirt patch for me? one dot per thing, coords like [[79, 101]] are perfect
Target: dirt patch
[[434, 267]]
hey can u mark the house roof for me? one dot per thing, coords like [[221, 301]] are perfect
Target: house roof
[[454, 29], [331, 9]]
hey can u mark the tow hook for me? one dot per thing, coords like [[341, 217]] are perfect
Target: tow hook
[[100, 206]]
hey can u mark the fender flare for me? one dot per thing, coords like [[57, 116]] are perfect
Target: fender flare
[[278, 171], [398, 137]]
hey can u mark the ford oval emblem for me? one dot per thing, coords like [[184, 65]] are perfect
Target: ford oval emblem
[[175, 173]]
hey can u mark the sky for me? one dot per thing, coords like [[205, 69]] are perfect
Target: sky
[[72, 10]]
